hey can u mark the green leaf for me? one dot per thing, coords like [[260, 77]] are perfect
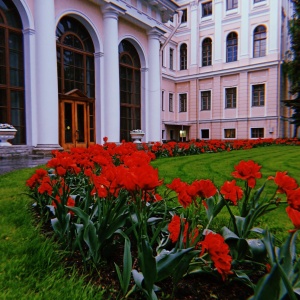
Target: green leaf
[[228, 234], [91, 239], [167, 261], [257, 249], [147, 264], [268, 287]]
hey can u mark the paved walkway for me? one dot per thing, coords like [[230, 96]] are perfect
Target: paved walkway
[[11, 164]]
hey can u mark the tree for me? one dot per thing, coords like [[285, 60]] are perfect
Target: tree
[[293, 67]]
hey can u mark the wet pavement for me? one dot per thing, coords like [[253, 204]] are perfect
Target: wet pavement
[[12, 164]]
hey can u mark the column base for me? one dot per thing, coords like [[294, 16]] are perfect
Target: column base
[[46, 149]]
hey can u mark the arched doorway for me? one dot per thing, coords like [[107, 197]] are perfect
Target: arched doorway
[[12, 93], [130, 89], [76, 84]]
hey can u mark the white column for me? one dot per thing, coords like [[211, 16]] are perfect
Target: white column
[[194, 32], [153, 107], [111, 105], [30, 84], [218, 41], [46, 75], [244, 37]]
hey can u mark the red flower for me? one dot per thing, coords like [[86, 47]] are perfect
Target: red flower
[[293, 198], [231, 191], [174, 228], [105, 139], [45, 186], [284, 182], [294, 216], [204, 188], [181, 188], [218, 250], [247, 170]]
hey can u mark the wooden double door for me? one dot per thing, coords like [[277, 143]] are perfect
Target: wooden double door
[[76, 123]]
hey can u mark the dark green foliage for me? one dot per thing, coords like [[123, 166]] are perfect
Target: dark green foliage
[[293, 67]]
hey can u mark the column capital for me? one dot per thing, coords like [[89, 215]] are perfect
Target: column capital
[[28, 31], [98, 54], [111, 10], [155, 33], [194, 5]]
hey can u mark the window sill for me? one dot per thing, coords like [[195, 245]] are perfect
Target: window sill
[[232, 11]]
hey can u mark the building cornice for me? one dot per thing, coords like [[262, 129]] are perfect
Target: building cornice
[[256, 67]]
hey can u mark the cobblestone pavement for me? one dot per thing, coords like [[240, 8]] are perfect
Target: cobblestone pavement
[[11, 164]]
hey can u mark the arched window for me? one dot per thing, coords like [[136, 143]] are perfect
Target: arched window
[[130, 89], [76, 84], [231, 47], [183, 57], [206, 52], [259, 41], [12, 99], [75, 58]]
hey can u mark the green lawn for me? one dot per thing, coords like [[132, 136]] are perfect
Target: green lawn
[[30, 266]]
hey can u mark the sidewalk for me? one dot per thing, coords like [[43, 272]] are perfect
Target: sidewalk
[[11, 164]]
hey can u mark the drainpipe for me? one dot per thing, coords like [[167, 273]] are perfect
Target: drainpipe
[[163, 46]]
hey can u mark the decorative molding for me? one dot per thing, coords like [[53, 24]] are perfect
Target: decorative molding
[[28, 31], [98, 54]]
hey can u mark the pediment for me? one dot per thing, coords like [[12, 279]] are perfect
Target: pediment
[[75, 93]]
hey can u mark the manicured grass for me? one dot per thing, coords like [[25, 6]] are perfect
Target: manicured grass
[[30, 264]]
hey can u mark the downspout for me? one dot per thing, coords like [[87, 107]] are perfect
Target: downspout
[[163, 46]]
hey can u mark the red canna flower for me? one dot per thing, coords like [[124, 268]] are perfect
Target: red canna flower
[[294, 216], [284, 182], [231, 191], [218, 250], [293, 198], [247, 170]]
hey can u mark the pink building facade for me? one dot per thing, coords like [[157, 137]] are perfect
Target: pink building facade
[[75, 71], [222, 71]]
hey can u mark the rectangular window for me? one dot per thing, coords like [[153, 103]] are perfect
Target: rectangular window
[[171, 102], [182, 102], [171, 58], [230, 98], [257, 133], [206, 9], [184, 16], [162, 100], [231, 4], [163, 133], [229, 133], [205, 133], [205, 100], [258, 95]]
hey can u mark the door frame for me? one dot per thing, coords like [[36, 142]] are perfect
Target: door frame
[[76, 97]]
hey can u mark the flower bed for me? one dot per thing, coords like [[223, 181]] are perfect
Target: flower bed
[[103, 199]]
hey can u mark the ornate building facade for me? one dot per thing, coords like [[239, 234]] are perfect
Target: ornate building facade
[[222, 71], [73, 72]]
